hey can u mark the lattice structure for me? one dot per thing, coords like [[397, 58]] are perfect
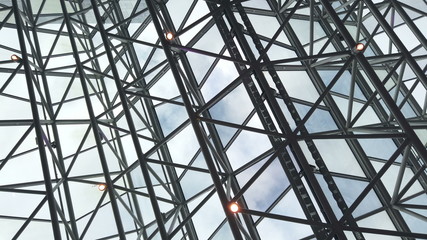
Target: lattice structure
[[215, 119]]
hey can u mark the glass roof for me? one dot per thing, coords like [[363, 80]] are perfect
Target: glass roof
[[147, 119]]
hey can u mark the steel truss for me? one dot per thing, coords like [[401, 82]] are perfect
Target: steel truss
[[181, 108]]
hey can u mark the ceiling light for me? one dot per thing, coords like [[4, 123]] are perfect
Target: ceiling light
[[234, 207], [360, 47], [169, 36], [15, 58], [102, 187]]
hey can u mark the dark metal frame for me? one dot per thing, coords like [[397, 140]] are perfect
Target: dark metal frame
[[128, 137]]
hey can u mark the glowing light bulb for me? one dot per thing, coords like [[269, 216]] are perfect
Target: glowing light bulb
[[234, 207], [15, 58], [360, 47], [102, 187], [169, 36]]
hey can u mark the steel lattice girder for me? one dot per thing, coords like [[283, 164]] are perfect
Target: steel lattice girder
[[149, 119]]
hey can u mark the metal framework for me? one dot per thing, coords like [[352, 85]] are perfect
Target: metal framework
[[148, 119]]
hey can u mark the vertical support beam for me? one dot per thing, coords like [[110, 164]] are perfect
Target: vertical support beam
[[284, 157], [94, 125], [37, 125], [400, 174], [129, 179], [54, 126], [124, 101], [152, 115], [329, 180], [198, 97], [195, 124]]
